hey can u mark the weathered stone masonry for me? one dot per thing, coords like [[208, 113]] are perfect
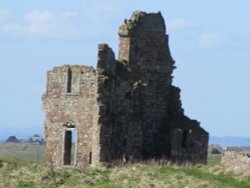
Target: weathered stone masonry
[[125, 109]]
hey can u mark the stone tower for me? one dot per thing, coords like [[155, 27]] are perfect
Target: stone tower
[[125, 109]]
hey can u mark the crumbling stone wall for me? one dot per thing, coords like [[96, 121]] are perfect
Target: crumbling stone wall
[[236, 162], [74, 108], [126, 109]]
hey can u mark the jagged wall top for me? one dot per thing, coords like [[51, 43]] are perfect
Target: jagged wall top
[[148, 22]]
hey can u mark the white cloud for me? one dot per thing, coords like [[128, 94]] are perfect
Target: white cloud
[[13, 29], [178, 23], [48, 24], [4, 15], [98, 12], [98, 18], [92, 19], [70, 14], [209, 39], [40, 16]]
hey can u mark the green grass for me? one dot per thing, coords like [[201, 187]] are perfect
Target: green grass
[[25, 152], [22, 169], [214, 159], [15, 173]]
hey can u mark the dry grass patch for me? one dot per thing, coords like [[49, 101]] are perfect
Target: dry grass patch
[[22, 173]]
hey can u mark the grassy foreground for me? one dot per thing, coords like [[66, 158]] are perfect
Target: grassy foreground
[[30, 172]]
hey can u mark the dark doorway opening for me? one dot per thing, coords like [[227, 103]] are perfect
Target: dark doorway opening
[[70, 142], [67, 147]]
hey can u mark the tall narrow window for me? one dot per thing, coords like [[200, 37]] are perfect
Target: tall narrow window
[[125, 143], [69, 81], [184, 139], [90, 157]]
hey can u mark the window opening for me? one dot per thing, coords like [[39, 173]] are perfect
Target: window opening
[[90, 157], [184, 139], [69, 81], [128, 96]]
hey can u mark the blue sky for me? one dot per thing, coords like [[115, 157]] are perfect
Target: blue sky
[[209, 40]]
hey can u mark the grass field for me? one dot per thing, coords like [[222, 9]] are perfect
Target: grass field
[[22, 166], [25, 152]]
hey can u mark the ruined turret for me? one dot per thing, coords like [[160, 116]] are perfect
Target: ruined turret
[[125, 109]]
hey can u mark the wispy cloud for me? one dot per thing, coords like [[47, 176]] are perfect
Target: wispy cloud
[[178, 23], [4, 15], [70, 14], [209, 40], [99, 17], [39, 23], [97, 12], [88, 21], [40, 16]]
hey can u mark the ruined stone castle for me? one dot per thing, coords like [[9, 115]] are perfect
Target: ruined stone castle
[[125, 109]]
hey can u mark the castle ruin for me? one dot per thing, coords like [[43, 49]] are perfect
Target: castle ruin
[[125, 109]]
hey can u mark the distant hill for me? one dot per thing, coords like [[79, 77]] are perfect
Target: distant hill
[[226, 141], [223, 141], [19, 132]]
